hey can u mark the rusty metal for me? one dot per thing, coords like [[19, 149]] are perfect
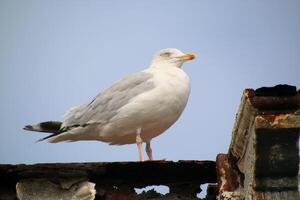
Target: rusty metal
[[118, 173], [117, 180], [268, 104], [263, 161]]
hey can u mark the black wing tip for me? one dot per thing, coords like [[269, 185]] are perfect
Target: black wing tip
[[28, 128]]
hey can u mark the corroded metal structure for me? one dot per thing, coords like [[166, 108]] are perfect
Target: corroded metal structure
[[263, 157], [113, 180]]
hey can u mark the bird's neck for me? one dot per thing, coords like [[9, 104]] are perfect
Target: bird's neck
[[165, 65]]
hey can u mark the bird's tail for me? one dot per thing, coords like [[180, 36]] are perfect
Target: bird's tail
[[48, 127]]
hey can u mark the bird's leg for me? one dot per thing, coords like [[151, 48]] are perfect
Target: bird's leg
[[139, 143], [149, 150]]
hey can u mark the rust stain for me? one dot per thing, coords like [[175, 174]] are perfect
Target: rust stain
[[274, 119], [249, 93], [279, 118], [269, 118], [227, 177]]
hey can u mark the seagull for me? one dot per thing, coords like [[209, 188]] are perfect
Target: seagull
[[135, 109]]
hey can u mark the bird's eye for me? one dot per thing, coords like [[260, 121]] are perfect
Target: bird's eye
[[165, 54]]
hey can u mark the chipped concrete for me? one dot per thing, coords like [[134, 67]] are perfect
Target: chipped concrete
[[41, 189]]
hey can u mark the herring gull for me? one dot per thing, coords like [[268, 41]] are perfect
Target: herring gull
[[135, 109]]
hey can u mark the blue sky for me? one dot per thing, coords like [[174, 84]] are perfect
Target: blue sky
[[57, 54]]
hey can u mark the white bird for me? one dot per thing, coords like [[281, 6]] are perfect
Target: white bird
[[135, 109]]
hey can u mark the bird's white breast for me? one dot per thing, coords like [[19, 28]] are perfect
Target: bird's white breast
[[173, 88], [154, 111]]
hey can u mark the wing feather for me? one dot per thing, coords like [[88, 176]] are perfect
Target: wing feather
[[106, 104]]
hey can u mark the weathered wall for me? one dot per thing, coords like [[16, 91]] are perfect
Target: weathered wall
[[263, 161]]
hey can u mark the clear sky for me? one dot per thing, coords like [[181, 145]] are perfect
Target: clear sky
[[57, 54]]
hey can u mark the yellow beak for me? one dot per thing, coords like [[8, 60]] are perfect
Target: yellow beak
[[188, 56]]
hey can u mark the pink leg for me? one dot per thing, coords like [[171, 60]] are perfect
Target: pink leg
[[139, 143]]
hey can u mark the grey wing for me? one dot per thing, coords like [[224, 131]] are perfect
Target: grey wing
[[106, 104]]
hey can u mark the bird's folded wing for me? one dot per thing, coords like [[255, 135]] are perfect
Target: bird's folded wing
[[106, 104]]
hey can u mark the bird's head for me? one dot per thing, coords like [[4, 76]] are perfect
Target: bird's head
[[171, 57]]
